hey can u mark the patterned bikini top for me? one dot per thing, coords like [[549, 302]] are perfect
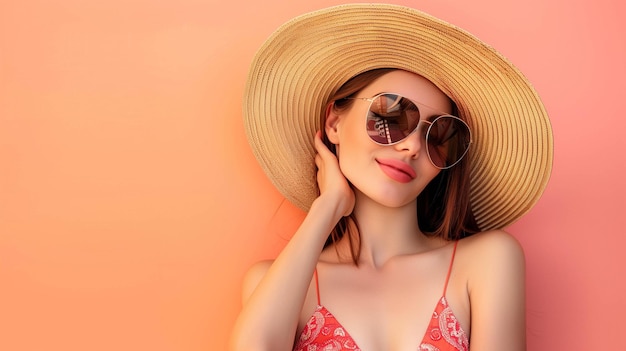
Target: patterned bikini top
[[323, 332]]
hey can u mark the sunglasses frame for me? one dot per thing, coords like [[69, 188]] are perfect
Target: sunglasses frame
[[430, 124]]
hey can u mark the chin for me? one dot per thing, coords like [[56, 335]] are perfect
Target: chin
[[392, 199]]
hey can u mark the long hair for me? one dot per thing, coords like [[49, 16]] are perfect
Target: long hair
[[443, 207]]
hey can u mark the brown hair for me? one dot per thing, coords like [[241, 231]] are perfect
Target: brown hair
[[443, 207]]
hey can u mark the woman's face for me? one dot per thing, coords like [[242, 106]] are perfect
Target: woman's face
[[392, 175]]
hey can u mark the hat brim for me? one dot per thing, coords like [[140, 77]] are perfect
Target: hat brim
[[308, 58]]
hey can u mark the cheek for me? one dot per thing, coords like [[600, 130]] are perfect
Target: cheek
[[348, 129], [353, 137], [348, 158], [353, 143], [354, 161]]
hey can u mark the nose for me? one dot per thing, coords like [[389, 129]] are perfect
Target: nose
[[412, 144]]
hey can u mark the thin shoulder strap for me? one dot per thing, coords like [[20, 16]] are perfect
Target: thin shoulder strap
[[317, 288], [445, 287]]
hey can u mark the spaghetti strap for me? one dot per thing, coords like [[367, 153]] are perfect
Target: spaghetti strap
[[445, 287], [317, 287]]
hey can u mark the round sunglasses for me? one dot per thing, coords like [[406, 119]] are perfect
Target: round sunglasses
[[391, 118]]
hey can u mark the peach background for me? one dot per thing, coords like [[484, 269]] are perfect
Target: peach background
[[131, 205]]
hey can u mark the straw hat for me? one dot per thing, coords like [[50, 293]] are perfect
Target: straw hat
[[308, 58]]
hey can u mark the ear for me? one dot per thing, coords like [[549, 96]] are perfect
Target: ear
[[330, 126]]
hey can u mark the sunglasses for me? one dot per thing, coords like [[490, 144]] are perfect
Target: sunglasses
[[391, 118]]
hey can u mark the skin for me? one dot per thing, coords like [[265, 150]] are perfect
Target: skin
[[385, 302]]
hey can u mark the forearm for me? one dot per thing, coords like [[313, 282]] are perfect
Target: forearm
[[269, 318]]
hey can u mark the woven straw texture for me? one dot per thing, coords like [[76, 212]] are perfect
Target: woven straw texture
[[308, 58]]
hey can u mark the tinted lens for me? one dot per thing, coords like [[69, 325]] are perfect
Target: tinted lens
[[448, 140], [391, 118]]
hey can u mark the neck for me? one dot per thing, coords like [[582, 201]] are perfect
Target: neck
[[388, 232]]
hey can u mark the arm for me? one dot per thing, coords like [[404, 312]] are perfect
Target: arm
[[274, 293], [497, 294]]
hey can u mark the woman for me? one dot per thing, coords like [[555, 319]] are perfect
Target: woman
[[401, 247]]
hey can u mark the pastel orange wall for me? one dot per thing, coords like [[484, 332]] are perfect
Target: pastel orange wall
[[131, 205]]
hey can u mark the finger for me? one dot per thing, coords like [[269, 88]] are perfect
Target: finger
[[321, 148], [318, 161]]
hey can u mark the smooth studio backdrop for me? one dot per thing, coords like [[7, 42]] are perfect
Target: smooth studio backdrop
[[131, 205]]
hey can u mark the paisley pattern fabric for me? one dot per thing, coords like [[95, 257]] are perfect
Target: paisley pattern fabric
[[444, 331], [324, 333]]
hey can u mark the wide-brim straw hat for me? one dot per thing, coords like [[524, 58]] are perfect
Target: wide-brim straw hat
[[308, 58]]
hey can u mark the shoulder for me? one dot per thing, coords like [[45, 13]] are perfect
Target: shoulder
[[493, 245], [253, 276], [492, 257], [495, 271]]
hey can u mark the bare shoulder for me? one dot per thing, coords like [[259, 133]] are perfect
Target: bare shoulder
[[493, 256], [495, 271], [253, 276], [493, 246]]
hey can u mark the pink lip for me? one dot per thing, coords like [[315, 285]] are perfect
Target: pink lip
[[397, 170]]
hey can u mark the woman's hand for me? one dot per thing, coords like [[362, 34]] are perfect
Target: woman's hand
[[331, 181], [280, 290]]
